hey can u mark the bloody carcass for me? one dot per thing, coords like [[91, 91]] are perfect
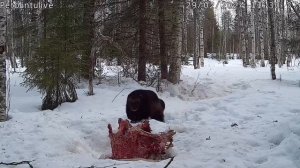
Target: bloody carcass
[[131, 142]]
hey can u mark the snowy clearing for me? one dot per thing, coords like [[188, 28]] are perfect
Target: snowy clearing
[[235, 118]]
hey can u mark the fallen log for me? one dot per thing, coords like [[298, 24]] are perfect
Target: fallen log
[[131, 142]]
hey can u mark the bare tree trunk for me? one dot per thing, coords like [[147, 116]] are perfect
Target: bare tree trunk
[[3, 73], [197, 39], [288, 34], [277, 29], [267, 35], [162, 40], [91, 20], [261, 35], [272, 31], [201, 46], [184, 31], [283, 34], [239, 27], [142, 41], [3, 89], [252, 62], [243, 33], [91, 72], [10, 41], [175, 63], [224, 39], [201, 37], [246, 19], [212, 40]]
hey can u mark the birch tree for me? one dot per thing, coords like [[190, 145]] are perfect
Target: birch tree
[[238, 26], [201, 44], [272, 40], [244, 32], [196, 59], [252, 62], [282, 34], [277, 29], [261, 34], [293, 31], [198, 17], [201, 37]]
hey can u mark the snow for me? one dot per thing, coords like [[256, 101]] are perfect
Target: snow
[[266, 115]]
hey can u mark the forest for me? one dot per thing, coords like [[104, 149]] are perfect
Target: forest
[[65, 41], [60, 55]]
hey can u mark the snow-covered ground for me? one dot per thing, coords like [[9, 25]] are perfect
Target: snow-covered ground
[[235, 118]]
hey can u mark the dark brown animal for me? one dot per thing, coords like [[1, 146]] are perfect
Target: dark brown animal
[[144, 104]]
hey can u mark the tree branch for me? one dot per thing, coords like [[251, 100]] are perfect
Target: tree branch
[[170, 161], [18, 163], [115, 164], [294, 9], [111, 42], [119, 94]]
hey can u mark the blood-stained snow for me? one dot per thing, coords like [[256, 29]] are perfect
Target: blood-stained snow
[[225, 116]]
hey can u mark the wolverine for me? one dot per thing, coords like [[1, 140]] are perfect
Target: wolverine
[[144, 104]]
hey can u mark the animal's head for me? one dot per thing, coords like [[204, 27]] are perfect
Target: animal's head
[[134, 102]]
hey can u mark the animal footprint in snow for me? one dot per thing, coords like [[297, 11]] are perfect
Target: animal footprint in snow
[[234, 125]]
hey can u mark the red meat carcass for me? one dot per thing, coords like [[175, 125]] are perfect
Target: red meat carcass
[[138, 142]]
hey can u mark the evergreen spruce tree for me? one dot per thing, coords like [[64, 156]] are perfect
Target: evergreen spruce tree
[[56, 60]]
